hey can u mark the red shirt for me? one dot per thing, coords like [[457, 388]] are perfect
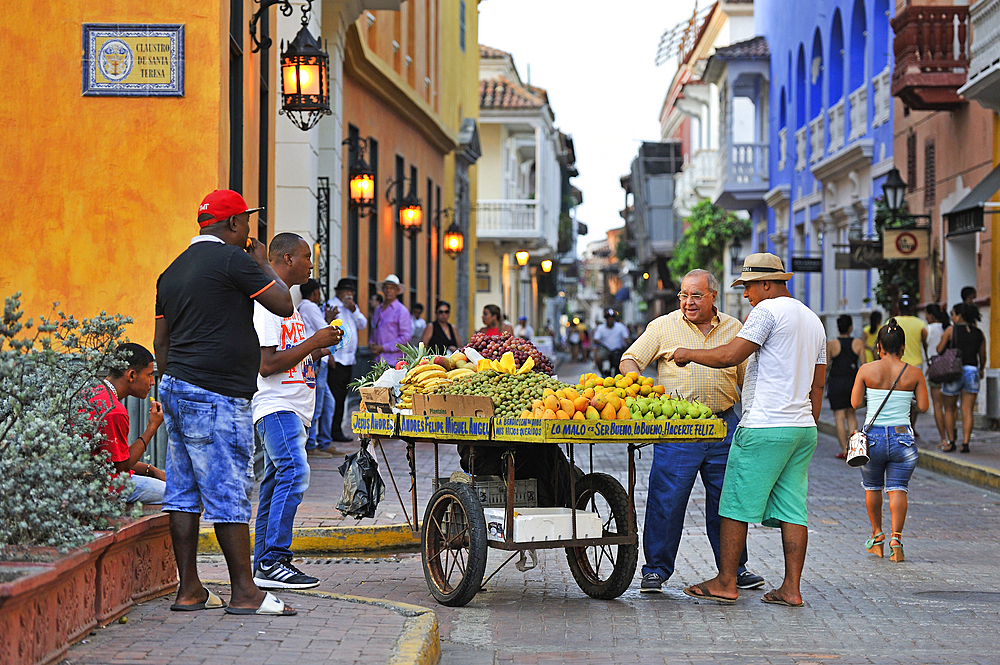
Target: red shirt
[[116, 424]]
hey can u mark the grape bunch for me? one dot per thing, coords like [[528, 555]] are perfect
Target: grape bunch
[[511, 393], [492, 347]]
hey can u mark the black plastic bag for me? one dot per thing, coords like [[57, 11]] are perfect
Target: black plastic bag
[[363, 486]]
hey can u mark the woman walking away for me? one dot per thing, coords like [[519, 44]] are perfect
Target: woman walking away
[[971, 345], [871, 334], [843, 353], [892, 453], [937, 322]]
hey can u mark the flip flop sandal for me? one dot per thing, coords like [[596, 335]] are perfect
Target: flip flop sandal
[[708, 595], [271, 606], [771, 599], [213, 602]]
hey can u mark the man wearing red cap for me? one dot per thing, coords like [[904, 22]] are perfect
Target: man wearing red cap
[[209, 357]]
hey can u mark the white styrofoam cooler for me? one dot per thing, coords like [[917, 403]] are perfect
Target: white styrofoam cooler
[[540, 524]]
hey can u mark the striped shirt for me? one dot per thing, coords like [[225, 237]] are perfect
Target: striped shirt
[[718, 389]]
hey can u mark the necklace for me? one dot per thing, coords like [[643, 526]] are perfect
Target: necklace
[[111, 387]]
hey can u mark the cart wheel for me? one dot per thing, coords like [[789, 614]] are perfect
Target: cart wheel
[[453, 544], [604, 571]]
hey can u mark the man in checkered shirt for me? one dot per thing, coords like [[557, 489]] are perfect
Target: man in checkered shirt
[[677, 464]]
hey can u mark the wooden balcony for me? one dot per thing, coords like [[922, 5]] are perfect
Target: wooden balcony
[[932, 56]]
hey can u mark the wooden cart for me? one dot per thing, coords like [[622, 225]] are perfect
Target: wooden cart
[[454, 536]]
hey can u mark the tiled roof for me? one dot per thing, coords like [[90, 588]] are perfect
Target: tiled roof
[[501, 93], [491, 53], [751, 48]]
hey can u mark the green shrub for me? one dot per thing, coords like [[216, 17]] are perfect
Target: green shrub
[[53, 490]]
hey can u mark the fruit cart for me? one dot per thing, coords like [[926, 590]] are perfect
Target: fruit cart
[[455, 534]]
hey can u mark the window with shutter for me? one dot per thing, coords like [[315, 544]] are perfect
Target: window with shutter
[[930, 175], [911, 162]]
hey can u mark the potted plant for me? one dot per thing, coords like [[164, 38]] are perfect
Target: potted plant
[[58, 520]]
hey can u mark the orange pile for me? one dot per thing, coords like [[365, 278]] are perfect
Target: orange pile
[[594, 398]]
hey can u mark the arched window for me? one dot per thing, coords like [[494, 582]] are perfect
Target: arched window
[[836, 60], [856, 59], [816, 77], [800, 89], [881, 45]]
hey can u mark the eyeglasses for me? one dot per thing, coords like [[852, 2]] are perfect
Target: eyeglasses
[[697, 297], [444, 311]]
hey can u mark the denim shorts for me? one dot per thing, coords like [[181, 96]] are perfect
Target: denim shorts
[[968, 382], [892, 456], [209, 452]]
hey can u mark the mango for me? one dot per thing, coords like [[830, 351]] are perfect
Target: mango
[[551, 402], [578, 415], [588, 392], [623, 413], [548, 414], [547, 392], [592, 414], [659, 390], [562, 415], [633, 376], [608, 413], [599, 402], [567, 406], [581, 403], [609, 381], [645, 390], [571, 394]]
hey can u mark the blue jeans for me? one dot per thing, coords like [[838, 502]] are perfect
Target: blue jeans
[[319, 430], [676, 465], [147, 490], [286, 477], [209, 452], [892, 457]]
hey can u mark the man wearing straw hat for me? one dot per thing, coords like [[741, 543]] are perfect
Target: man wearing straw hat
[[766, 475]]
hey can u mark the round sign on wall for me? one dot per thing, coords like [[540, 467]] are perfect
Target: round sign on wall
[[906, 243]]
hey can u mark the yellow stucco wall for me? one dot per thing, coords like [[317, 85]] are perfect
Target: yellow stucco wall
[[101, 193]]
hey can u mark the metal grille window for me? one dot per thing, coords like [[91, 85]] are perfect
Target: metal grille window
[[461, 25], [911, 162], [930, 174]]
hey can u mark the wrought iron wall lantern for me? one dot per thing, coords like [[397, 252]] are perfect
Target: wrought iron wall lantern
[[522, 258], [894, 189], [305, 68], [547, 265], [411, 215], [362, 177]]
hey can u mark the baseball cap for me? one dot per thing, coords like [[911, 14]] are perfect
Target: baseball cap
[[906, 300], [220, 205], [522, 318], [609, 312]]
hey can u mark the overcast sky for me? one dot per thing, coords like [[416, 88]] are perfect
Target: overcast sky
[[598, 68]]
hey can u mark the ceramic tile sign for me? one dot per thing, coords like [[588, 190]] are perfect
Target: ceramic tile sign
[[133, 60]]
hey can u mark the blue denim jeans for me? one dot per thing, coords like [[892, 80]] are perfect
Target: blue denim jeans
[[147, 490], [319, 430], [892, 457], [209, 452], [676, 465], [286, 477]]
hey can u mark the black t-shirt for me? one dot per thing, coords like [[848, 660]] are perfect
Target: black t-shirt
[[968, 340], [206, 296]]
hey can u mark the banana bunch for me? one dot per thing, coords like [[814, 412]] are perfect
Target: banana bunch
[[421, 379], [506, 365]]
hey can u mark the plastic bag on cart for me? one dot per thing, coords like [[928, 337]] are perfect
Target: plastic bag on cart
[[363, 486]]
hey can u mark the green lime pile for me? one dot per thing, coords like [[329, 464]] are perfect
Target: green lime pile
[[511, 393]]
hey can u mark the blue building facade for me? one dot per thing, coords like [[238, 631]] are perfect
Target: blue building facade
[[830, 138]]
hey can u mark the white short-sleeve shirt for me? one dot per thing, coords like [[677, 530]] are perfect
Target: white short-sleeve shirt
[[294, 389], [780, 373]]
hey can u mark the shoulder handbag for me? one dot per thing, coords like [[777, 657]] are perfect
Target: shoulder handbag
[[857, 445], [947, 366]]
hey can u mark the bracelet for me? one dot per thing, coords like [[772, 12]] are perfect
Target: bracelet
[[144, 444]]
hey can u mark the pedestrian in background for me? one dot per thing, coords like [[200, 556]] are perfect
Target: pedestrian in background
[[343, 360], [971, 344], [767, 473], [610, 341], [843, 353], [417, 322], [318, 442], [892, 451], [282, 410], [493, 322], [208, 350], [523, 329], [968, 295], [916, 343], [677, 464], [391, 324], [937, 322], [870, 332], [441, 334]]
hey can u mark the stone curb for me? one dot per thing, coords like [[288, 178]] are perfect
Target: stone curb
[[333, 539], [969, 472], [418, 644]]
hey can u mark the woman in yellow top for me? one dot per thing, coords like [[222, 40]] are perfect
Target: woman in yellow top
[[871, 334]]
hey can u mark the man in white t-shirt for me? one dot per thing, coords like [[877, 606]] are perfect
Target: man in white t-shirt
[[523, 329], [610, 341], [282, 409], [766, 475]]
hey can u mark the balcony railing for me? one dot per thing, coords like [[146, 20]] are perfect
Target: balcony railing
[[858, 102], [704, 166], [800, 149], [984, 78], [782, 148], [746, 165], [507, 219], [931, 47], [816, 137], [836, 114], [883, 98]]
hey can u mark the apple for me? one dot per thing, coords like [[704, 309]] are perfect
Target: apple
[[445, 362]]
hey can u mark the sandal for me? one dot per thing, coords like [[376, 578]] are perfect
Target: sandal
[[897, 549], [950, 448], [965, 447], [841, 455], [875, 543]]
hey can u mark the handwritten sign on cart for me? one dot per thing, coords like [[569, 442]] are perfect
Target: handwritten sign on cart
[[633, 430], [434, 427], [379, 424], [518, 429]]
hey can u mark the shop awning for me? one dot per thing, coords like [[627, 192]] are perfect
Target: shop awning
[[967, 216]]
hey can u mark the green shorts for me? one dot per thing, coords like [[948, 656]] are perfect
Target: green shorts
[[767, 475]]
